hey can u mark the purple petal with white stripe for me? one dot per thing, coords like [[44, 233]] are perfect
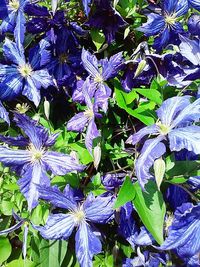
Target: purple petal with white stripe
[[90, 63], [11, 157], [91, 134], [77, 122]]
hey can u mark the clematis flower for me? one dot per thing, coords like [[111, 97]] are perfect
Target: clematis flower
[[165, 26], [194, 24], [33, 162], [14, 19], [195, 4], [107, 19], [80, 216], [184, 231], [80, 120], [99, 72], [86, 5], [175, 125], [21, 76]]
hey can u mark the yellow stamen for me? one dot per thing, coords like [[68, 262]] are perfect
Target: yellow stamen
[[25, 70], [14, 4]]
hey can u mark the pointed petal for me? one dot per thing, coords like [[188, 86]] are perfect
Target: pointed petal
[[171, 107], [190, 49], [87, 245], [58, 226], [12, 228], [151, 150], [11, 157], [90, 63], [13, 53], [135, 138], [99, 209], [31, 91], [102, 95], [32, 176], [57, 198], [78, 122], [154, 25], [188, 114], [187, 137], [20, 29], [42, 78], [25, 236], [181, 7], [60, 164], [91, 134], [111, 67], [14, 141]]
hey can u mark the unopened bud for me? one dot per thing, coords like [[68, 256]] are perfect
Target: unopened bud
[[97, 156], [159, 171]]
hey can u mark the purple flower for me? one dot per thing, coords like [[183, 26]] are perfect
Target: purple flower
[[195, 4], [81, 214], [185, 231], [14, 21], [176, 117], [80, 120], [24, 77], [33, 162], [165, 26], [194, 24], [106, 18]]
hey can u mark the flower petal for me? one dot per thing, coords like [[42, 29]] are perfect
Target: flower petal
[[77, 122], [111, 67], [153, 26], [90, 63], [15, 141], [58, 226], [60, 163], [31, 91], [151, 150], [20, 29], [11, 157], [187, 137], [4, 114], [190, 49], [13, 53], [91, 134], [87, 245]]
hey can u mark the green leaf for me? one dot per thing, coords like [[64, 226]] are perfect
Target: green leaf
[[126, 193], [83, 153], [151, 94], [151, 209], [5, 249], [98, 38], [52, 253], [21, 263]]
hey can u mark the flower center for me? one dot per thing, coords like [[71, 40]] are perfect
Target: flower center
[[63, 58], [170, 19], [164, 129], [98, 79], [89, 113], [25, 70], [22, 108], [79, 216], [36, 154], [14, 4]]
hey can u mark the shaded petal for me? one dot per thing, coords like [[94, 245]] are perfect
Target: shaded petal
[[144, 238], [11, 157], [52, 139], [190, 49], [57, 198], [33, 175], [4, 114], [187, 137], [37, 134], [151, 150], [58, 226], [184, 232], [195, 4], [36, 10], [90, 63], [188, 114], [135, 138], [20, 29], [13, 53], [87, 245], [86, 4], [98, 209], [60, 164], [162, 40], [101, 96], [78, 122], [170, 6], [111, 67], [15, 141], [4, 9], [31, 91], [91, 134], [154, 25], [171, 107]]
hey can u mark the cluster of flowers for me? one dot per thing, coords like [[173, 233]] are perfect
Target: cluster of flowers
[[48, 56]]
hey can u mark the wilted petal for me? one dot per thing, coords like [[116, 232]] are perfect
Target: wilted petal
[[91, 134], [185, 231], [32, 176], [98, 209], [90, 63], [60, 163], [57, 198], [188, 114], [171, 107], [151, 150], [11, 157], [187, 137], [78, 122], [190, 49], [87, 245], [135, 138], [58, 226], [13, 53]]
